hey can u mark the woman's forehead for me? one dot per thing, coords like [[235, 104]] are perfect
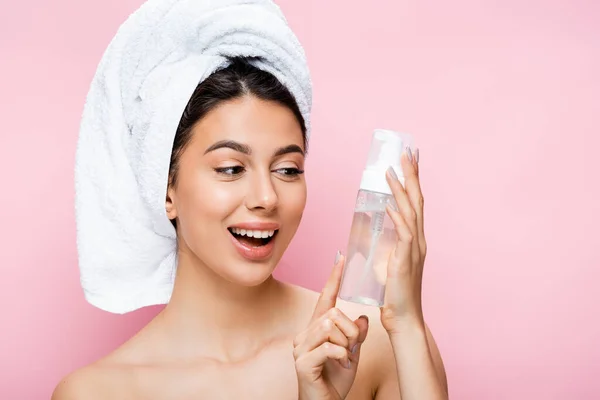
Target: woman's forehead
[[249, 121]]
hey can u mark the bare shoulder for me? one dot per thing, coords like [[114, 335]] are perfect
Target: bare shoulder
[[82, 384], [100, 380], [111, 377]]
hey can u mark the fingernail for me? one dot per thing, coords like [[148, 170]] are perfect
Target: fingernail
[[409, 154], [354, 348], [337, 257], [348, 364], [365, 318], [392, 173], [417, 155]]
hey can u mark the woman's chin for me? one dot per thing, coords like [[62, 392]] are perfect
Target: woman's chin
[[250, 274], [251, 281]]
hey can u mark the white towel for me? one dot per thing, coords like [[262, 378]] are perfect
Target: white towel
[[126, 244]]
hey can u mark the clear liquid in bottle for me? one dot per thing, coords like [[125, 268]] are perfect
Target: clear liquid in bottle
[[372, 239]]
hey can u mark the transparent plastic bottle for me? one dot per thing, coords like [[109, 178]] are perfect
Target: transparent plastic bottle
[[372, 235]]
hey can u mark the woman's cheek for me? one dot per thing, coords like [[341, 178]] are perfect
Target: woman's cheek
[[294, 200]]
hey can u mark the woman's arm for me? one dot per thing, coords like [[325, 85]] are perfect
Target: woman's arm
[[419, 371]]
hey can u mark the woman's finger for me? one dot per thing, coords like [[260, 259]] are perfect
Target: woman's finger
[[403, 250], [324, 331], [334, 327], [412, 186], [345, 325], [362, 323], [329, 294], [401, 196], [307, 362], [417, 152], [409, 212], [402, 230]]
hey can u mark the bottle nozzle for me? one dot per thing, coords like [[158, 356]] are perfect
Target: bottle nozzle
[[386, 148]]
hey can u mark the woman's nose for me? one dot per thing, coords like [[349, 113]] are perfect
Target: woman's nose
[[261, 193]]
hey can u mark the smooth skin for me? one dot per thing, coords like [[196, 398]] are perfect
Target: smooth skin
[[230, 330]]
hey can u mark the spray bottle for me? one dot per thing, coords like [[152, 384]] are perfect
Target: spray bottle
[[372, 235]]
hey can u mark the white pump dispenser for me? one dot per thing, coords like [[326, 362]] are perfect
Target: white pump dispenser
[[386, 148]]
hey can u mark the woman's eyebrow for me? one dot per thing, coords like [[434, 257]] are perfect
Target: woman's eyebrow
[[230, 144], [245, 149], [292, 148]]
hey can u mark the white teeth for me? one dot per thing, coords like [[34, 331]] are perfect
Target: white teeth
[[253, 233]]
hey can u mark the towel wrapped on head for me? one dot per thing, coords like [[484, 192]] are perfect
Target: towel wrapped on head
[[126, 244]]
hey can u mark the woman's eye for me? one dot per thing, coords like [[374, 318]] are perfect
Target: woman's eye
[[291, 172], [232, 171]]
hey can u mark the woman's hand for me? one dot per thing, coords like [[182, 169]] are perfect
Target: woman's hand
[[405, 267], [327, 352]]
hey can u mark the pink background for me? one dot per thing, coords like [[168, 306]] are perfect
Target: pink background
[[504, 100]]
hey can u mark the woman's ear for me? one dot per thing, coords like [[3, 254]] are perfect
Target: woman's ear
[[170, 203]]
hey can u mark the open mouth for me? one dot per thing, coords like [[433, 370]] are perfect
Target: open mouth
[[253, 238]]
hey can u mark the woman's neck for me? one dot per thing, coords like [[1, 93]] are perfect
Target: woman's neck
[[209, 316]]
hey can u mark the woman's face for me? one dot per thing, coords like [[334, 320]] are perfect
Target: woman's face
[[240, 191]]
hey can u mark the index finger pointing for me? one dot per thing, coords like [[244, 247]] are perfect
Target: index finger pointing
[[329, 293]]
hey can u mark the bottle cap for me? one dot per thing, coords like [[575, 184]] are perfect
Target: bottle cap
[[385, 151]]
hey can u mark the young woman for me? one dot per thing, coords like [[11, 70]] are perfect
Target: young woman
[[235, 192], [236, 195]]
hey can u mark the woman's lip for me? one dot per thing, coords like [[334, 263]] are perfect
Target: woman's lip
[[257, 226], [253, 253]]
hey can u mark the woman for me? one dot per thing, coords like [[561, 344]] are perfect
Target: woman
[[236, 194]]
